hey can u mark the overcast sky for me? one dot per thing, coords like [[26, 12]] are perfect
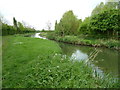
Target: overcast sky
[[38, 12]]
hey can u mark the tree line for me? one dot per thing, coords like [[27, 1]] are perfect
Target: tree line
[[104, 21], [16, 28]]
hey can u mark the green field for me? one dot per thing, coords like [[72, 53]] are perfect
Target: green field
[[36, 63]]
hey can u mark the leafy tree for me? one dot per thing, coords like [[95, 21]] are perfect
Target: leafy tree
[[103, 7], [17, 28], [98, 9], [84, 26], [21, 27], [68, 24], [3, 20], [106, 22], [111, 5]]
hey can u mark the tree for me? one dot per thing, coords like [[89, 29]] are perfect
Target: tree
[[15, 23], [118, 5], [103, 7], [49, 25], [110, 5], [21, 27], [98, 9], [84, 26], [56, 24], [3, 20], [106, 22], [68, 24]]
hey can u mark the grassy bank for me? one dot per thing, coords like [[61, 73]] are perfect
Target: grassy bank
[[84, 40], [37, 63]]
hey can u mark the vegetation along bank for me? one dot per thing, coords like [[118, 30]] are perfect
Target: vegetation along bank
[[101, 29], [30, 63]]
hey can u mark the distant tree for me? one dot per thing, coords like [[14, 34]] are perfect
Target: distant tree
[[1, 24], [110, 5], [56, 24], [98, 9], [17, 27], [15, 23], [3, 20], [84, 26], [68, 24], [104, 7], [27, 26], [21, 27], [49, 25], [119, 5], [43, 30]]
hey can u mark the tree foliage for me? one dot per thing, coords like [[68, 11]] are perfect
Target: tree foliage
[[104, 7], [106, 22], [68, 24], [17, 27], [98, 9], [21, 27], [15, 23], [84, 26]]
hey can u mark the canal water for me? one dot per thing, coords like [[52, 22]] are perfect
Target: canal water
[[102, 59]]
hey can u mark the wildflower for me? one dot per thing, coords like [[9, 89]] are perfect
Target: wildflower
[[57, 66], [55, 54], [49, 71]]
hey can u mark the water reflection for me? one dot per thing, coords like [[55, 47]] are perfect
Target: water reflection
[[78, 55], [37, 35], [105, 61]]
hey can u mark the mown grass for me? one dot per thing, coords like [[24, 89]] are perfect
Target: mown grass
[[37, 63], [84, 40]]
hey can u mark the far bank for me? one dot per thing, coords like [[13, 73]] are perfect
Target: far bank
[[84, 40]]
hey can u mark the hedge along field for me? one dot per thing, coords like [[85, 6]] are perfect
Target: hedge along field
[[37, 63]]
